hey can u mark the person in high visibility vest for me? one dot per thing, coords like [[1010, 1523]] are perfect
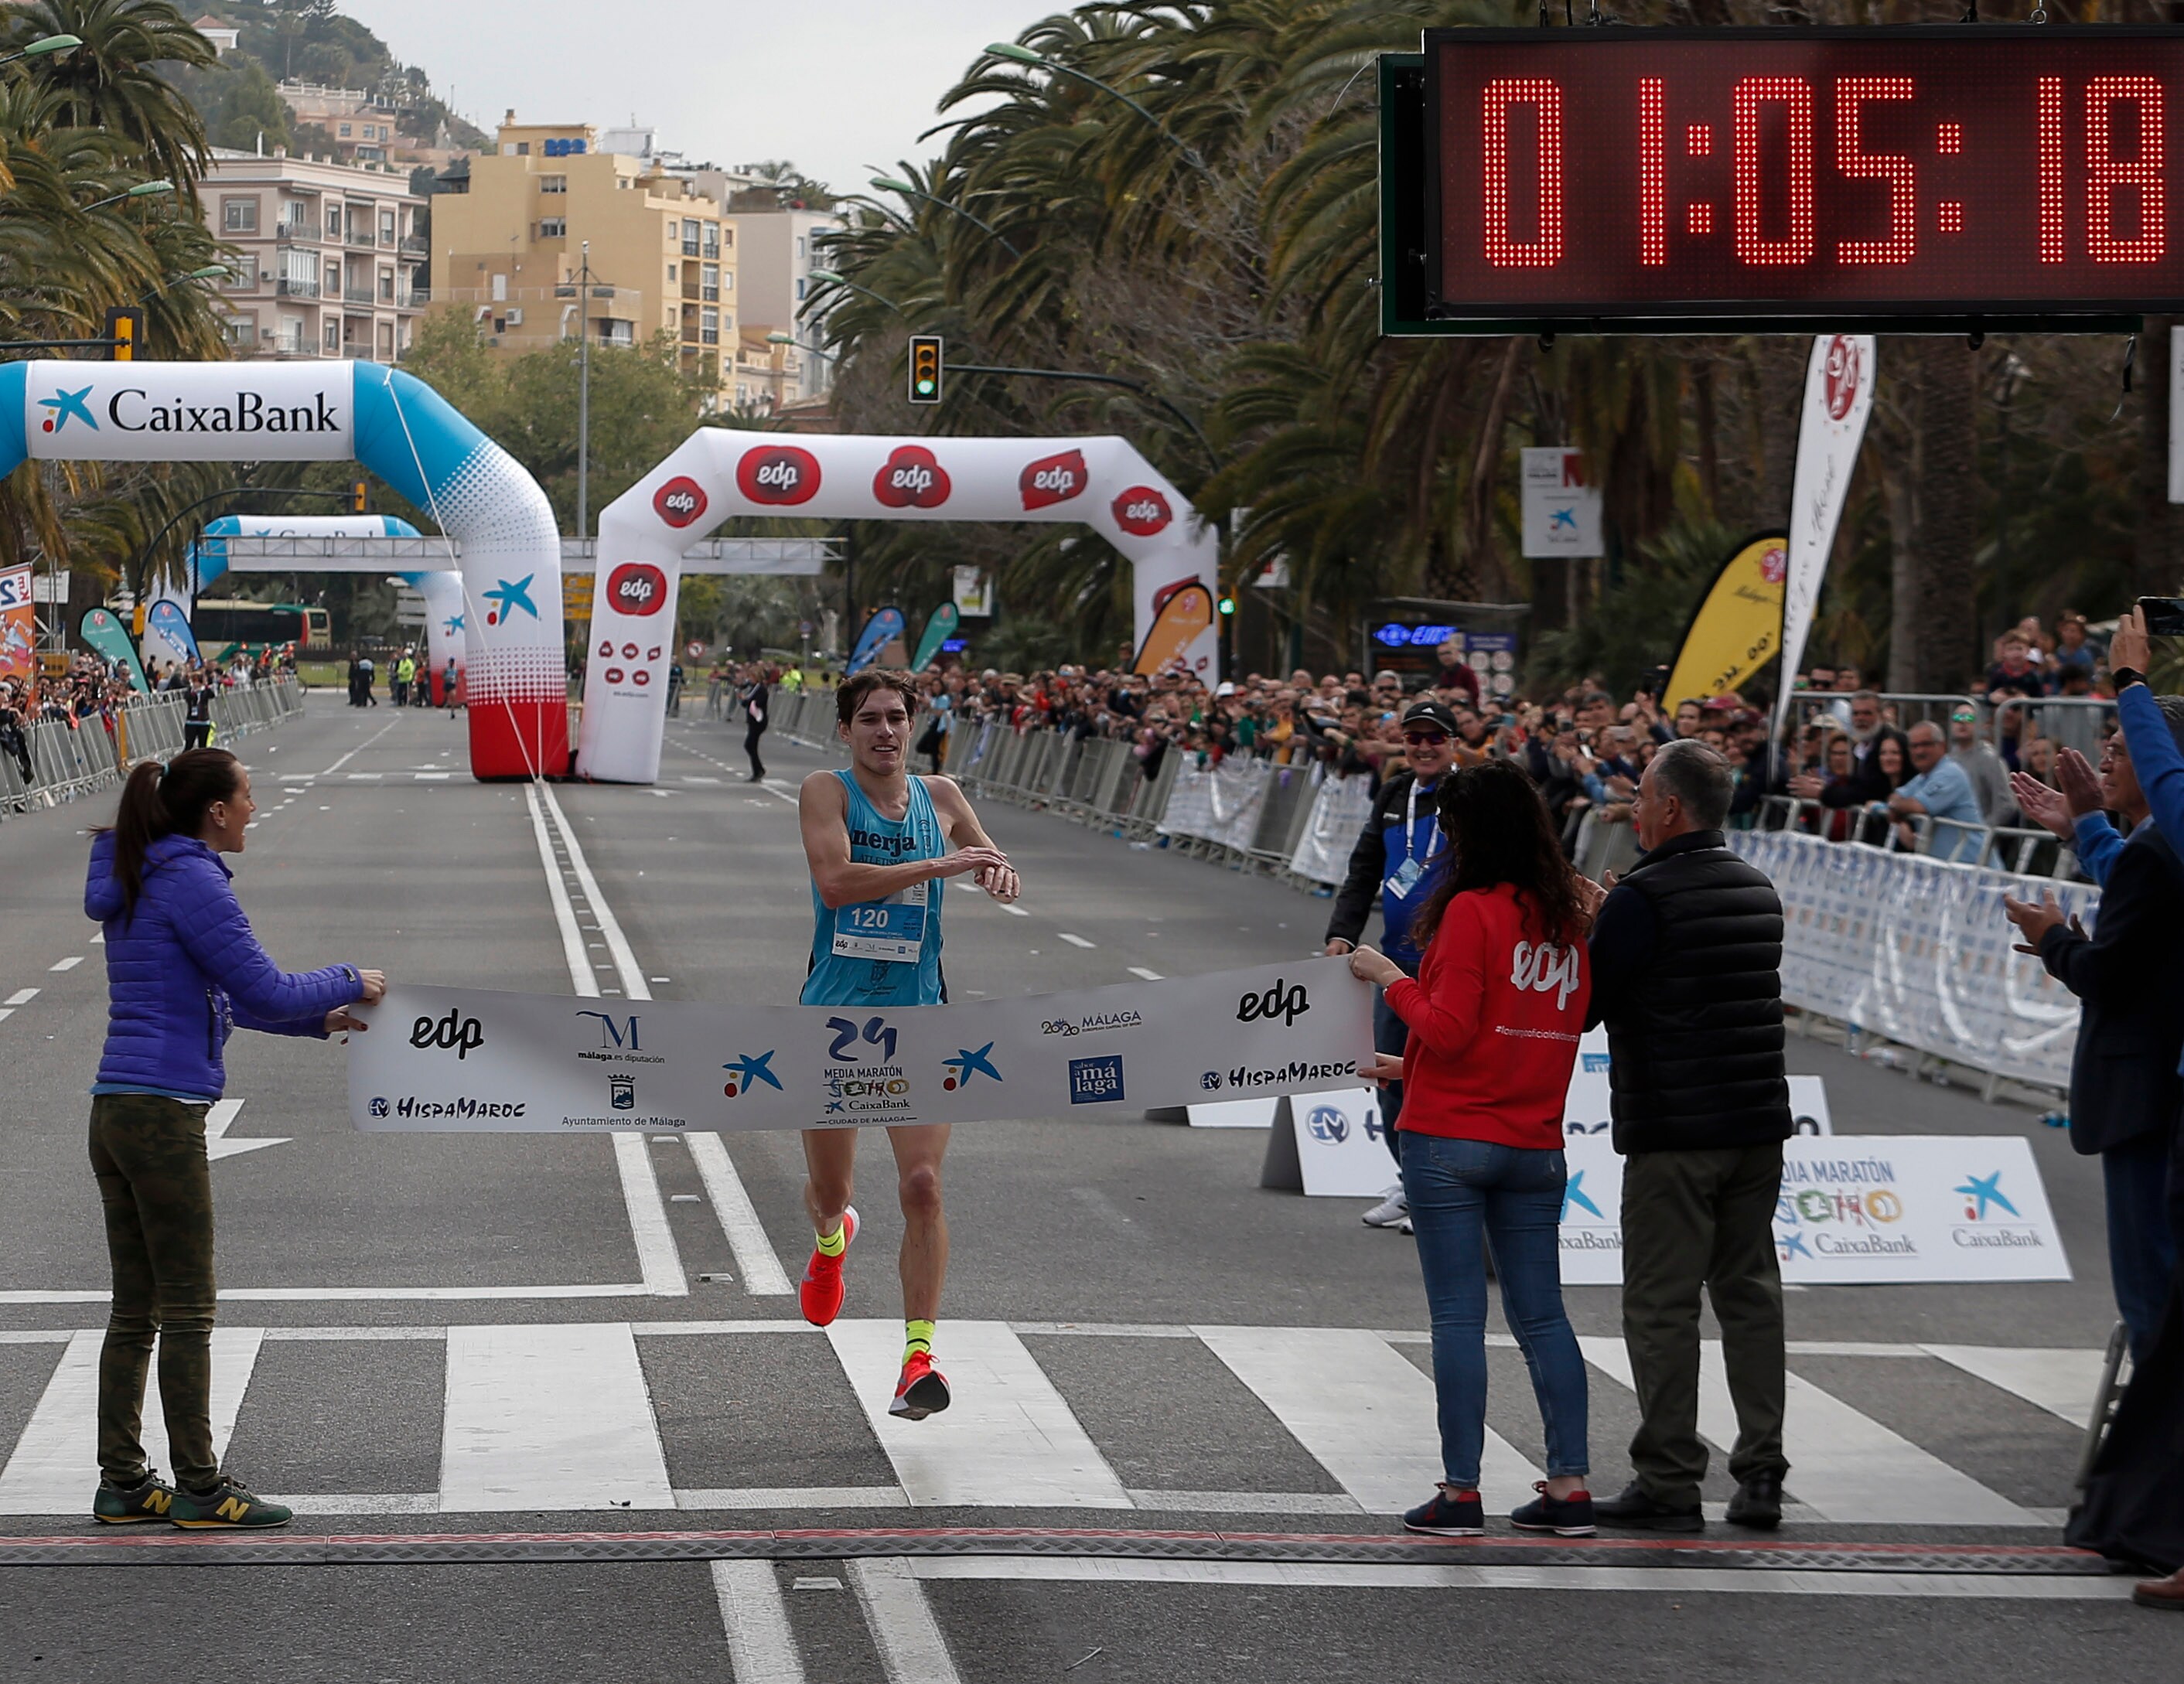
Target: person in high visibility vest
[[405, 673]]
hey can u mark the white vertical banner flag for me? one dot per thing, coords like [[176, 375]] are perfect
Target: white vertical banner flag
[[2175, 416], [1838, 398]]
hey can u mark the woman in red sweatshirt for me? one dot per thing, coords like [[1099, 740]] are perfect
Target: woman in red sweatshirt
[[1495, 1016]]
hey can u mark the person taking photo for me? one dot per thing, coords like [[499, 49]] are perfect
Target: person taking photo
[[182, 969]]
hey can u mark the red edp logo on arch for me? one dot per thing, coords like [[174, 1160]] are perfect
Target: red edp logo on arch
[[1053, 479], [1141, 511], [911, 478], [680, 501], [778, 474], [636, 588]]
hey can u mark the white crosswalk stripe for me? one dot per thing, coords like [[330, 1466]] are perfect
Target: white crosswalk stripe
[[558, 1417], [550, 1417], [54, 1469], [1008, 1437]]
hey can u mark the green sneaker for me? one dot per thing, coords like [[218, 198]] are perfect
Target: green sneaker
[[133, 1505], [226, 1505]]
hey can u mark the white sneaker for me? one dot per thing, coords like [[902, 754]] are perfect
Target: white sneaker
[[1391, 1209]]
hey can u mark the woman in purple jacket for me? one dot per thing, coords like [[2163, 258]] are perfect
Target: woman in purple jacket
[[182, 969]]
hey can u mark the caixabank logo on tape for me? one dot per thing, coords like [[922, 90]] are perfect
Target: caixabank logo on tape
[[206, 411]]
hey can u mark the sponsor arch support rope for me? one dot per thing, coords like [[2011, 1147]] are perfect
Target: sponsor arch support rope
[[395, 425], [720, 473]]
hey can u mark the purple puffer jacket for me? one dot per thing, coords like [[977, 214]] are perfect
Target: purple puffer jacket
[[184, 970]]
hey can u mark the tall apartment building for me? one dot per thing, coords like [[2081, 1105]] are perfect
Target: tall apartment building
[[508, 229], [777, 251], [329, 256]]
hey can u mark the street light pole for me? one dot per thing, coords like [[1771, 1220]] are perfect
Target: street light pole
[[584, 395], [890, 184]]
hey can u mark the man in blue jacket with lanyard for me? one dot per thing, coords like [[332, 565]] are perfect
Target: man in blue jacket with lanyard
[[878, 842], [1398, 858]]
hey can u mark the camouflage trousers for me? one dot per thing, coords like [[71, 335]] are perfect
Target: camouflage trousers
[[148, 1153]]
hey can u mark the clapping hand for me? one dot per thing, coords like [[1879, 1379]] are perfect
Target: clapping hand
[[2046, 808], [2080, 783], [2034, 921]]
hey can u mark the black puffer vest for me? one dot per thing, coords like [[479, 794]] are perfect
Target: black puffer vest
[[1697, 1064]]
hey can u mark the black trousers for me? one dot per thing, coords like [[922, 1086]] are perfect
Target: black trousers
[[751, 734]]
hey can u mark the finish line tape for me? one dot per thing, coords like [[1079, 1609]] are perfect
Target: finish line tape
[[466, 1059]]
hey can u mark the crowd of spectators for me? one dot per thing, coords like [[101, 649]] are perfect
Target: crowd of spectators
[[1922, 775], [94, 690]]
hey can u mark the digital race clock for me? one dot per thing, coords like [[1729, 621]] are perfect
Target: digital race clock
[[1709, 180]]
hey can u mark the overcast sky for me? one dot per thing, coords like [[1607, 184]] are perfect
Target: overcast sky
[[834, 85]]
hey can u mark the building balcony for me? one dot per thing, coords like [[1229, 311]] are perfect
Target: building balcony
[[294, 234], [362, 236], [288, 288], [358, 295], [414, 246]]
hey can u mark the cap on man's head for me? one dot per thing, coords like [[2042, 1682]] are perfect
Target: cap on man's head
[[1430, 713], [1225, 688]]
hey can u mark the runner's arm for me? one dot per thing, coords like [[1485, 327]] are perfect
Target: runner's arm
[[822, 813], [998, 879]]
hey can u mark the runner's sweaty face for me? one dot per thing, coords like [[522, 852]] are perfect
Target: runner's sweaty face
[[879, 733]]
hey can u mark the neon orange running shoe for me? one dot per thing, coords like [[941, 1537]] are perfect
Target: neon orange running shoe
[[922, 1390], [820, 1293]]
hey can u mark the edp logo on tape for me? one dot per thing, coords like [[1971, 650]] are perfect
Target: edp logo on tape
[[1286, 1001], [464, 1035]]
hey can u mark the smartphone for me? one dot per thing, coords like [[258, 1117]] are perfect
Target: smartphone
[[2164, 615]]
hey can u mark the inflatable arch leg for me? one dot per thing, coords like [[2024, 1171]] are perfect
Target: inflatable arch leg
[[395, 425]]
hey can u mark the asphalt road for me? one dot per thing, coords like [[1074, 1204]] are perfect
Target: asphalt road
[[1143, 1341]]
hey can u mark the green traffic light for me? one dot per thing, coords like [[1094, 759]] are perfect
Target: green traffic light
[[1228, 605]]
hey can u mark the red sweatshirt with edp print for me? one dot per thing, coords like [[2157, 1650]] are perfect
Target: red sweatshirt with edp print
[[1495, 1017]]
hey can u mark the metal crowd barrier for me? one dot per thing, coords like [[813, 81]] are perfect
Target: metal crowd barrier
[[71, 759], [2025, 852]]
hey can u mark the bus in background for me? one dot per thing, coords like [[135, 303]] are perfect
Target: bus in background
[[224, 625]]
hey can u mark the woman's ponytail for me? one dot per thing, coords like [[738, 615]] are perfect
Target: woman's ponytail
[[163, 801]]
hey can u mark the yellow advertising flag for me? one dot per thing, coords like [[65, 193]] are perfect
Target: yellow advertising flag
[[1738, 628], [1181, 618]]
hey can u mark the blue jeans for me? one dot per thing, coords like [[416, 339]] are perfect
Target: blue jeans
[[1456, 1188], [2141, 1251]]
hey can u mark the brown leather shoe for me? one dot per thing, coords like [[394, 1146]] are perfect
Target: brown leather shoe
[[2167, 1594]]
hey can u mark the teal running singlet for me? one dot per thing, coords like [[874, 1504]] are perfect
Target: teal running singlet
[[882, 953]]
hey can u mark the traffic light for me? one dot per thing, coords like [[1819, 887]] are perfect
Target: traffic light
[[125, 326], [925, 368], [356, 497], [1227, 603]]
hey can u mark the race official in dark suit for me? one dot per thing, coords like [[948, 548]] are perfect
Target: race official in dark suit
[[2125, 1089]]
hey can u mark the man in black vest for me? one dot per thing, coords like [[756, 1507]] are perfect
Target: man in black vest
[[1686, 964]]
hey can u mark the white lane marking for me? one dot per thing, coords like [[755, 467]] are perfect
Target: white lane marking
[[6, 1012], [1008, 1437], [99, 938], [1012, 910], [2066, 1383], [1076, 941], [355, 752], [69, 963], [794, 1497], [911, 1649], [659, 1262], [365, 1502], [1365, 1413], [761, 1645], [624, 959], [312, 1295], [756, 1261], [218, 1121], [1846, 1466], [1247, 1501], [1663, 1582], [36, 1336], [433, 777], [1139, 970], [695, 778], [549, 1417], [365, 777], [54, 1468], [787, 792]]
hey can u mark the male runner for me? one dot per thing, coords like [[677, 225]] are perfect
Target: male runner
[[877, 841]]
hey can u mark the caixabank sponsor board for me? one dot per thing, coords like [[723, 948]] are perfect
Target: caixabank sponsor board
[[190, 412], [442, 1059], [1858, 1209]]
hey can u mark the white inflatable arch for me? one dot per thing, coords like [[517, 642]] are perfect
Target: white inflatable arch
[[720, 473], [394, 424]]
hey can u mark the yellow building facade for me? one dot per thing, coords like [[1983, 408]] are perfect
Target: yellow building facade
[[507, 241]]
